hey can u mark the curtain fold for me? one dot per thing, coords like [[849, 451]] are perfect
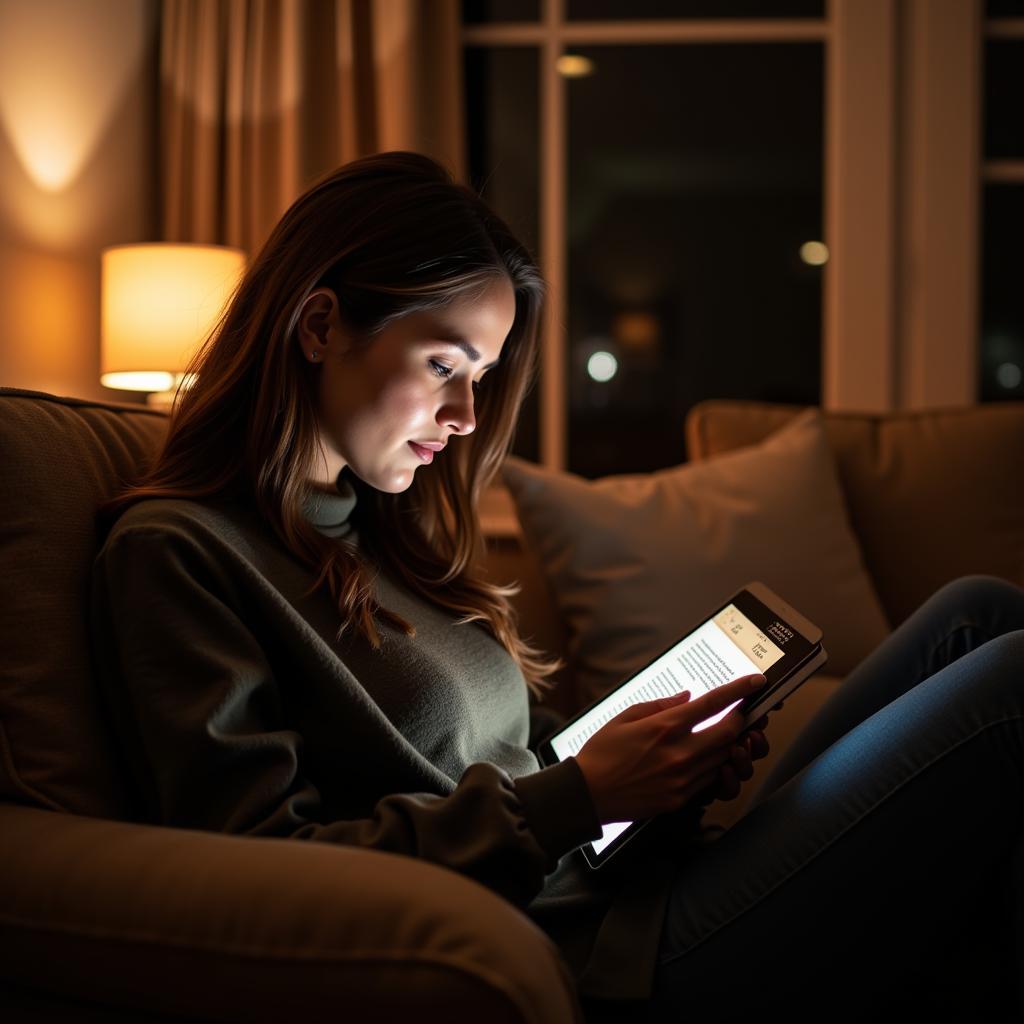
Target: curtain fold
[[260, 97]]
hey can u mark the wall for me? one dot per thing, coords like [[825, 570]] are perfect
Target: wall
[[78, 166]]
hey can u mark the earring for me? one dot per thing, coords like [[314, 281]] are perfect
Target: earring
[[313, 355]]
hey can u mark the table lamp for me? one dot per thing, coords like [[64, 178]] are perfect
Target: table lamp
[[159, 302]]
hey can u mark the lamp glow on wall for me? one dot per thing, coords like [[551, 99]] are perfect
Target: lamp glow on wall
[[159, 302]]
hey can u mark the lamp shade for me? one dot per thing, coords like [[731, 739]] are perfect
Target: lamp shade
[[159, 303]]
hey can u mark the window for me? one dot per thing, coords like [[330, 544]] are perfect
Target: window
[[1001, 347], [688, 208], [694, 183], [753, 199]]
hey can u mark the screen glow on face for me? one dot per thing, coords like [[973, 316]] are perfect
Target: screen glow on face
[[727, 646]]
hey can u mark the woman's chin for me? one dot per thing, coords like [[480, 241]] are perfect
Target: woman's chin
[[392, 483]]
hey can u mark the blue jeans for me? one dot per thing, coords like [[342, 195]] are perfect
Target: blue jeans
[[881, 863]]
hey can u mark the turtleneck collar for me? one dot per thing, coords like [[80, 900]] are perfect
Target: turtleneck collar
[[329, 511]]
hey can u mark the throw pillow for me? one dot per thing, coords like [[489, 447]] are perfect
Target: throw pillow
[[633, 560]]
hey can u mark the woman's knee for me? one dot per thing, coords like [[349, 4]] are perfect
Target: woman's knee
[[979, 592], [1008, 649], [993, 670]]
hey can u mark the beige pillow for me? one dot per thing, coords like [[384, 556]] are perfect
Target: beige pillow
[[634, 560]]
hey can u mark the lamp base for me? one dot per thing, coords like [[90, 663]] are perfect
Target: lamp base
[[162, 400]]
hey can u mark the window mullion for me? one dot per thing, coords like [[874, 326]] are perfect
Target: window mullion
[[554, 171], [859, 357], [939, 249]]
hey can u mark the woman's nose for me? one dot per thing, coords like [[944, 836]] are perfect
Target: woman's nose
[[457, 413]]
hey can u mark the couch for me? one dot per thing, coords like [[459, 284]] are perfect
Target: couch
[[106, 919], [103, 918]]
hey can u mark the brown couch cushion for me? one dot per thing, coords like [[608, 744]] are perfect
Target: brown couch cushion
[[932, 494], [61, 458]]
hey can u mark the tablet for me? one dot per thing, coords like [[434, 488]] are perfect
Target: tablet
[[754, 630]]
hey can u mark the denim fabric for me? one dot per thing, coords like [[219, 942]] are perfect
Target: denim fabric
[[880, 866]]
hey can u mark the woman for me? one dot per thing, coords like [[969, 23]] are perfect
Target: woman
[[294, 639]]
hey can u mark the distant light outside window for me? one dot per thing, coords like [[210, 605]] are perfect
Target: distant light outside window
[[695, 179], [502, 116]]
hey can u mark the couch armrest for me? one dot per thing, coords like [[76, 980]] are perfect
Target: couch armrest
[[220, 927]]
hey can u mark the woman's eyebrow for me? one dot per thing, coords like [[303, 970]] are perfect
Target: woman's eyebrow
[[457, 339]]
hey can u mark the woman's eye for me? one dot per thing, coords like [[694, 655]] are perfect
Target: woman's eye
[[445, 372]]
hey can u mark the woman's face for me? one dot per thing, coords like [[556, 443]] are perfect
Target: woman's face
[[409, 384]]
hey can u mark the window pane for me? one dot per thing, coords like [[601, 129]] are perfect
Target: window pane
[[695, 177], [1004, 8], [502, 120], [600, 10], [1002, 312], [476, 12], [1004, 94]]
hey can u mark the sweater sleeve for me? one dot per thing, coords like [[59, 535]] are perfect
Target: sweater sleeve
[[193, 699]]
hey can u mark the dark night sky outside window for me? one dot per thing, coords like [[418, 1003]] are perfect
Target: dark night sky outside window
[[694, 179], [1001, 348], [601, 10], [694, 176]]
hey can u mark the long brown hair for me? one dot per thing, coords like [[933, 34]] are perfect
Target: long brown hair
[[391, 234]]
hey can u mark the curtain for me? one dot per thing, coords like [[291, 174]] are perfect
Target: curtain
[[260, 97]]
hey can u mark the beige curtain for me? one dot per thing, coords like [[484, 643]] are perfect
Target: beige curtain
[[260, 97]]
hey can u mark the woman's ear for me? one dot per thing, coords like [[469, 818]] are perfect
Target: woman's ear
[[319, 326]]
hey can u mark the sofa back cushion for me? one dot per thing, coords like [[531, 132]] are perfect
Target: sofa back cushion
[[61, 458], [931, 495]]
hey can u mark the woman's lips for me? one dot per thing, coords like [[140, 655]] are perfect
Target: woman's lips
[[425, 454]]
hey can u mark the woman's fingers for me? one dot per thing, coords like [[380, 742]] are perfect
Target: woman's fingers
[[757, 744], [717, 701], [728, 783], [742, 763], [702, 788], [644, 708], [699, 746]]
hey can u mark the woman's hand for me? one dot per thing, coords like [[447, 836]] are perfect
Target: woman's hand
[[647, 760], [751, 745]]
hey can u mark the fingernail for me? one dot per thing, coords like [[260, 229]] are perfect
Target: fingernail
[[757, 680]]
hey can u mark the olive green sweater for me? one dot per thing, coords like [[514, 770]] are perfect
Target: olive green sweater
[[239, 712]]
